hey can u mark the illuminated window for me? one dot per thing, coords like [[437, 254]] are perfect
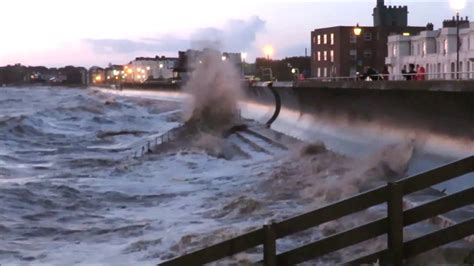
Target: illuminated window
[[332, 55], [319, 56], [325, 72], [319, 72], [332, 38], [325, 38], [319, 39], [325, 55]]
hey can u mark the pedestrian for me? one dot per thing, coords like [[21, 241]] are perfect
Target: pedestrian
[[405, 73], [421, 73], [385, 73], [412, 72]]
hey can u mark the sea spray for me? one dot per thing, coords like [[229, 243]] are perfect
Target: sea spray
[[215, 88]]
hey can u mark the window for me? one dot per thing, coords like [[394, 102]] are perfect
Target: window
[[319, 56], [353, 54], [367, 36], [423, 51], [352, 38], [314, 40], [445, 47], [319, 39], [325, 38], [325, 72], [368, 53], [332, 55], [319, 72], [325, 55], [332, 38], [394, 50]]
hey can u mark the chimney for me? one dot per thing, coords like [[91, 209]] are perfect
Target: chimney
[[429, 27]]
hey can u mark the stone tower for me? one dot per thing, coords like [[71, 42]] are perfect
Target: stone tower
[[386, 16]]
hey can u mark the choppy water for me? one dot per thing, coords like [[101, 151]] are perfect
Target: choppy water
[[71, 194]]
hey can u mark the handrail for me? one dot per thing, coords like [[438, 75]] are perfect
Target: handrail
[[148, 145], [392, 224], [463, 75]]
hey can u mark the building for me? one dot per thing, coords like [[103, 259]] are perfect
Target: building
[[393, 16], [188, 60], [150, 68], [435, 50], [338, 52]]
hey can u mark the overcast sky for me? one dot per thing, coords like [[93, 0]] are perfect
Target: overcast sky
[[92, 32]]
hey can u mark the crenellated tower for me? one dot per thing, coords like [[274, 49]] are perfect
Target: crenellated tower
[[386, 16]]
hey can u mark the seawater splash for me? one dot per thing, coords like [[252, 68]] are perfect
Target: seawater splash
[[215, 88]]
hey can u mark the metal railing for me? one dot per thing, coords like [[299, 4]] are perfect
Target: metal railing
[[435, 76], [392, 225], [153, 142]]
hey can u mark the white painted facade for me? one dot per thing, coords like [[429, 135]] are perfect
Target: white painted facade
[[154, 68], [435, 51]]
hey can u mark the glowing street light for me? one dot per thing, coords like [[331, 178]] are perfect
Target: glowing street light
[[243, 55], [268, 51], [161, 65], [357, 30], [224, 58], [147, 68], [357, 33]]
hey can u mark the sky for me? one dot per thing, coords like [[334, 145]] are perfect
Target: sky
[[92, 32]]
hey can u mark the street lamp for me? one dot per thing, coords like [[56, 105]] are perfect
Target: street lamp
[[357, 33], [357, 30], [268, 51], [457, 5], [243, 56]]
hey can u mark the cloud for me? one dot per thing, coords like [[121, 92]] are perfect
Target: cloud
[[127, 46], [236, 35]]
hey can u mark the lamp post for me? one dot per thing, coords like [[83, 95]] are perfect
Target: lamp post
[[357, 31], [243, 56], [457, 5]]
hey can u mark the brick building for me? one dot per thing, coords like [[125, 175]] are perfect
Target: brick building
[[337, 51]]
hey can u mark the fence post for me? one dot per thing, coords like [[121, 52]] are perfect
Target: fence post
[[395, 219], [269, 245]]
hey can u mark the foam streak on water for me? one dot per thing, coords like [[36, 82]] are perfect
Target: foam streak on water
[[67, 199]]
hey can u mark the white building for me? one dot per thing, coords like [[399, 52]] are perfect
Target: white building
[[149, 68], [435, 51]]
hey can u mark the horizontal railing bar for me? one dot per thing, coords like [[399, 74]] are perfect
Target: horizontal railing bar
[[220, 250], [438, 238], [343, 208], [438, 175], [333, 243], [438, 206], [331, 212]]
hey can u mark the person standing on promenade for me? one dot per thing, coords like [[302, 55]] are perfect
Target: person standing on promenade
[[405, 73], [421, 73]]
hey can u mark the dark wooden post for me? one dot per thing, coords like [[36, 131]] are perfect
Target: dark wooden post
[[269, 245], [395, 218]]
